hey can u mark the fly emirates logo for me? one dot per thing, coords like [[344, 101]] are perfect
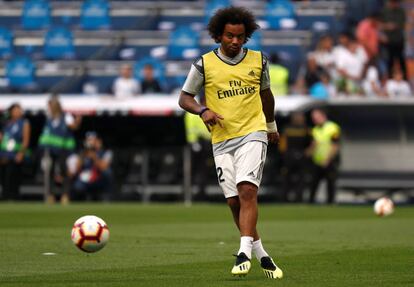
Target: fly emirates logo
[[235, 89]]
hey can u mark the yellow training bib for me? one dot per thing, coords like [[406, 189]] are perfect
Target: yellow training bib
[[233, 91]]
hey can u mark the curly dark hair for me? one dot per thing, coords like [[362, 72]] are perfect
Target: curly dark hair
[[231, 15]]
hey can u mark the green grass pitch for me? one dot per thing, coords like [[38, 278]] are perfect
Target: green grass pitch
[[172, 245]]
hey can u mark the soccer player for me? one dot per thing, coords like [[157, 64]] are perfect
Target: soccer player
[[239, 112]]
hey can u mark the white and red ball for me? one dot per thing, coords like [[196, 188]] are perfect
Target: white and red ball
[[90, 233], [383, 206]]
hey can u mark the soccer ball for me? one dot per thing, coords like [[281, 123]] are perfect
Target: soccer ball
[[90, 233], [383, 206]]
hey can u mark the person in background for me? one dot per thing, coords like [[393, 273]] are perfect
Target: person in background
[[324, 89], [368, 35], [90, 170], [57, 143], [393, 24], [350, 64], [371, 83], [324, 55], [279, 76], [15, 140], [308, 75], [149, 83], [324, 151], [294, 141], [410, 48], [397, 87], [199, 138], [126, 86], [313, 72]]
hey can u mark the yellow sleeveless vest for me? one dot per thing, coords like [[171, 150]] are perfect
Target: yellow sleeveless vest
[[279, 76], [233, 91], [323, 135]]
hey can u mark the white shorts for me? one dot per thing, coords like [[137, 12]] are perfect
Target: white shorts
[[243, 164]]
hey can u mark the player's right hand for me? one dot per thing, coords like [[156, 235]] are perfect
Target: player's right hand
[[273, 138], [211, 118]]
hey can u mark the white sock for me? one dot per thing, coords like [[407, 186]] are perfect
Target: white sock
[[246, 245], [259, 250]]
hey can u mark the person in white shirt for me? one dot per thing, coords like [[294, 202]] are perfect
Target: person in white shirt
[[350, 63], [324, 55], [371, 84], [397, 87], [126, 86]]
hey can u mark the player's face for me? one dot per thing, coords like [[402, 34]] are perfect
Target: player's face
[[232, 39]]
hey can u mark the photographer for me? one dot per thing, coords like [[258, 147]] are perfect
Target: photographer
[[90, 171]]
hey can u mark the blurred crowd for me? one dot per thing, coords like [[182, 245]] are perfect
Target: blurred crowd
[[372, 60]]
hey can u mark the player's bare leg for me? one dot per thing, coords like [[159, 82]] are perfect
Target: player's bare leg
[[269, 267], [234, 204], [248, 208]]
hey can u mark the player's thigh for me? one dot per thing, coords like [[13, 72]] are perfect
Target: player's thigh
[[249, 162], [226, 174]]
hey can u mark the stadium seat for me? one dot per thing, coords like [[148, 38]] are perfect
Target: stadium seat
[[95, 15], [255, 42], [280, 14], [183, 44], [212, 6], [20, 72], [59, 44], [6, 43], [36, 15]]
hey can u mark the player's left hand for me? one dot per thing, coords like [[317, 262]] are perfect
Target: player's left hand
[[273, 137]]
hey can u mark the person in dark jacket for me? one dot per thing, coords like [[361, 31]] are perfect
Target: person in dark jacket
[[14, 145]]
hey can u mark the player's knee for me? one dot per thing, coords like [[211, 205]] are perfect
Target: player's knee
[[247, 191]]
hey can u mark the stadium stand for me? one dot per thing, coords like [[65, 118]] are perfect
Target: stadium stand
[[59, 44], [6, 43], [20, 73], [36, 14], [280, 15], [95, 15], [183, 43], [137, 24], [62, 45]]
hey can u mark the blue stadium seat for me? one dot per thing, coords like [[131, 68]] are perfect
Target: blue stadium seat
[[278, 11], [6, 43], [59, 44], [212, 6], [20, 72], [181, 41], [95, 15], [36, 14], [255, 42]]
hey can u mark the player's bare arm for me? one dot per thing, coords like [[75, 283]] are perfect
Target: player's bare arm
[[209, 117], [268, 105]]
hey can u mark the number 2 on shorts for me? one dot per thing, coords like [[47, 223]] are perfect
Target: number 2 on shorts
[[220, 174]]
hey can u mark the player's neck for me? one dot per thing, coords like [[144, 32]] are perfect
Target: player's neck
[[223, 54]]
